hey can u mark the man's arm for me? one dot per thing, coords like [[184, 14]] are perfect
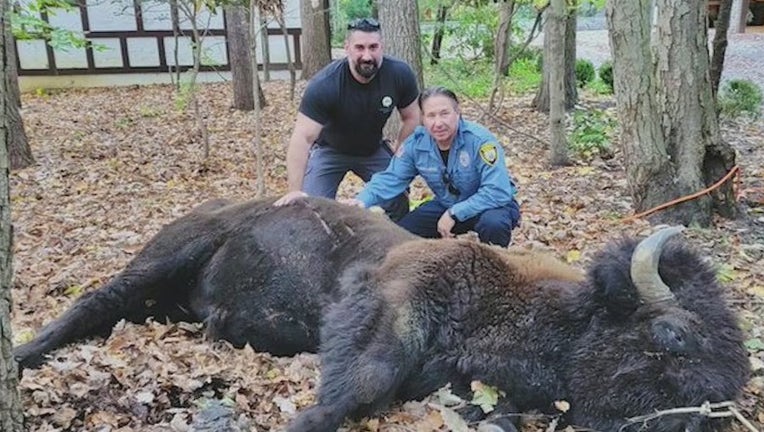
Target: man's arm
[[305, 133], [409, 122]]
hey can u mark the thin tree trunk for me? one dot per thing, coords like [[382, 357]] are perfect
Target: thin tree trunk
[[440, 31], [738, 15], [290, 63], [541, 100], [266, 46], [13, 73], [18, 144], [571, 89], [11, 418], [497, 91], [721, 26], [501, 54], [555, 31], [254, 28], [237, 31], [317, 52], [503, 37], [175, 18]]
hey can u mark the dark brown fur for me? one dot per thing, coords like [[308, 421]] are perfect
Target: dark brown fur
[[438, 312]]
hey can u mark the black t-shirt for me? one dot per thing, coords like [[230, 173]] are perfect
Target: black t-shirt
[[353, 114]]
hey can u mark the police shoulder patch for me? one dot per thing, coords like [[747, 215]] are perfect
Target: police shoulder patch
[[489, 153]]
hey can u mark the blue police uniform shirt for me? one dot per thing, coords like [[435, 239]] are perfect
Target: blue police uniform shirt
[[476, 168]]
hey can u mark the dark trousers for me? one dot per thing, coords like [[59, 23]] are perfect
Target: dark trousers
[[327, 167], [492, 226]]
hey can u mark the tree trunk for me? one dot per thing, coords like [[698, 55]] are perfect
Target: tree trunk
[[175, 68], [266, 46], [669, 130], [571, 86], [237, 31], [317, 51], [541, 101], [738, 13], [290, 63], [11, 418], [13, 73], [259, 169], [400, 29], [503, 37], [649, 171], [555, 31], [692, 126], [440, 31], [18, 144], [721, 26]]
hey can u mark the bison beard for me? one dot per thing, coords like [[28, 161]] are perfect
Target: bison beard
[[403, 317]]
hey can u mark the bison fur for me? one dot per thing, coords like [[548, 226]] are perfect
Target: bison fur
[[400, 317]]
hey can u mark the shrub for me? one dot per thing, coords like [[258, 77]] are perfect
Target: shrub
[[584, 72], [606, 74], [592, 131], [739, 97]]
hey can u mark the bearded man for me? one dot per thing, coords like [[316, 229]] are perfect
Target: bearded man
[[342, 114]]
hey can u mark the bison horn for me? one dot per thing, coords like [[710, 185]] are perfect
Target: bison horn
[[644, 267]]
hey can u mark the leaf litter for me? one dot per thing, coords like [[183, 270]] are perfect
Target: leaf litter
[[115, 165]]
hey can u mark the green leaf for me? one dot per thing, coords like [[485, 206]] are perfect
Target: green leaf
[[73, 291], [726, 273], [485, 396], [754, 344]]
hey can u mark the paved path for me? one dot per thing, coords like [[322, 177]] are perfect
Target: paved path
[[744, 57]]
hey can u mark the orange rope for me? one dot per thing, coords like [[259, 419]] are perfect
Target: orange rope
[[733, 171]]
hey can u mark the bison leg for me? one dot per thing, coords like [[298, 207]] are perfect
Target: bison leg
[[156, 280], [363, 363]]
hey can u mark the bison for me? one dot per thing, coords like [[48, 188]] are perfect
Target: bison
[[251, 272], [646, 329]]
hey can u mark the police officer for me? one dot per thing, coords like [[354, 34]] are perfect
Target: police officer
[[462, 163]]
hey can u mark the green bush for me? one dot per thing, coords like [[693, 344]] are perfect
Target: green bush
[[584, 72], [606, 74], [738, 97], [533, 54], [592, 132]]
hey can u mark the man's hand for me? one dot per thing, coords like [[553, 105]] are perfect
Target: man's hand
[[446, 224], [289, 197]]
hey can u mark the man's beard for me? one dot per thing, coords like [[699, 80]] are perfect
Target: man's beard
[[367, 69]]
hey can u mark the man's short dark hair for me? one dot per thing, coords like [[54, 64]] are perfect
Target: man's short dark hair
[[368, 25]]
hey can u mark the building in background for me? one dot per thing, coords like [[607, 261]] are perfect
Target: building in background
[[135, 44]]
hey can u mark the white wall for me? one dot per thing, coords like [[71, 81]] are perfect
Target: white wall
[[119, 15]]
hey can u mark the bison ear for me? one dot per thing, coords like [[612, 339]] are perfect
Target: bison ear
[[610, 277]]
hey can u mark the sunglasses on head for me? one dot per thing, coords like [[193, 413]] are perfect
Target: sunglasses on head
[[364, 24], [453, 190]]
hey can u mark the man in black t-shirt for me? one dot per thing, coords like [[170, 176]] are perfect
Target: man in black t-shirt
[[341, 116]]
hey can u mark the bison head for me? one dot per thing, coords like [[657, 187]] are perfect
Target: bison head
[[660, 337]]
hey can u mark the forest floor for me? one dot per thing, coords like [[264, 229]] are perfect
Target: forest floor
[[114, 165]]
